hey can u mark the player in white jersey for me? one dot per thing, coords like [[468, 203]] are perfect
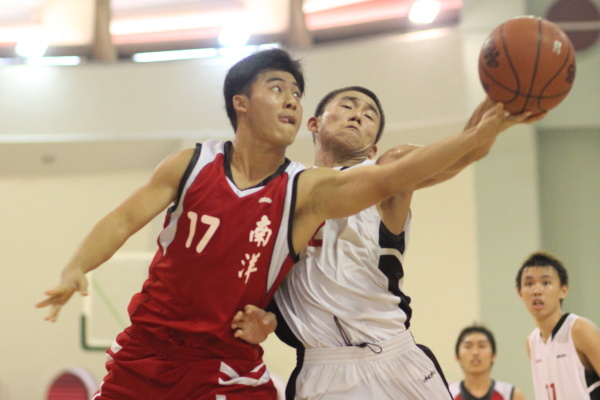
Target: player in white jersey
[[475, 351], [342, 307], [564, 349]]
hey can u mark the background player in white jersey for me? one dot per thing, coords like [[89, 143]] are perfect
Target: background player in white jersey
[[475, 351], [564, 349], [342, 306], [186, 331]]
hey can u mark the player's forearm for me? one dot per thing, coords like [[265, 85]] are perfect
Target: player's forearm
[[358, 188], [100, 244], [454, 169], [438, 161]]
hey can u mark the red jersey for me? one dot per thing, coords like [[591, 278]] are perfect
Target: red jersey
[[498, 391], [221, 249]]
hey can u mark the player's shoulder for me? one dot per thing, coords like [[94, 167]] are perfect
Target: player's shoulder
[[454, 388], [584, 327]]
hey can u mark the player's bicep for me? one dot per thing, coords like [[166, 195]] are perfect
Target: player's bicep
[[586, 337], [338, 194], [156, 194]]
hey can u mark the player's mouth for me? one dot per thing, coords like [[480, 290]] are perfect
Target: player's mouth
[[289, 119], [538, 304]]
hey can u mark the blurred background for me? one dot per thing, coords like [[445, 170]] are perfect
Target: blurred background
[[94, 93]]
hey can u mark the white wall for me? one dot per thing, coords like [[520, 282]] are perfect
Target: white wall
[[48, 208], [75, 141]]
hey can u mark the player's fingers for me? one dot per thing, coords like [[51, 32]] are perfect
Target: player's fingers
[[238, 333], [269, 319], [54, 298], [500, 110], [53, 314], [250, 309], [237, 318]]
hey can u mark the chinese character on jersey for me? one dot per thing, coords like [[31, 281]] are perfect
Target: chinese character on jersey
[[262, 233], [251, 266]]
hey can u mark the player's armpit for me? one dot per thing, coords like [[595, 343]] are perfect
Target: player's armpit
[[586, 337]]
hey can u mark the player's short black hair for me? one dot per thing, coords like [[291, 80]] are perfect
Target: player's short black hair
[[329, 96], [243, 74], [475, 329], [543, 259]]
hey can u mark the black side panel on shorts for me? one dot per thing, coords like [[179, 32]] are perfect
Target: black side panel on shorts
[[432, 357], [285, 334]]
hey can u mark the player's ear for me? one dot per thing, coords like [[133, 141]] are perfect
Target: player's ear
[[240, 102], [564, 289], [313, 124], [373, 152]]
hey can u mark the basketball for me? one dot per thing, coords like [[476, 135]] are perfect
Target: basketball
[[527, 63]]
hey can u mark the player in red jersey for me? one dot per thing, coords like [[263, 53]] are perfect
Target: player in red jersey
[[238, 214], [476, 351]]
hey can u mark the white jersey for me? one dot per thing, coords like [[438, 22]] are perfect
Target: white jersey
[[558, 373], [347, 287], [498, 391]]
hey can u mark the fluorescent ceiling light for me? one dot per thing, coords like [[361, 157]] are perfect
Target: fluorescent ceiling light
[[174, 55], [33, 43], [235, 33], [66, 60], [311, 6], [424, 11]]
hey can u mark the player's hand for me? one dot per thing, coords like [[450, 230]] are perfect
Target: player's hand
[[72, 280], [496, 120], [254, 324]]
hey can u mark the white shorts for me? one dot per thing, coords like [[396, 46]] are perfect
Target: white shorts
[[400, 371]]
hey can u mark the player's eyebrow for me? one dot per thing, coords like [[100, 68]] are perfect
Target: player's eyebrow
[[280, 79], [355, 99]]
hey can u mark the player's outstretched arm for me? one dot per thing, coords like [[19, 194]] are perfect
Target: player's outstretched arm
[[253, 324], [109, 234], [324, 193], [479, 152], [586, 337]]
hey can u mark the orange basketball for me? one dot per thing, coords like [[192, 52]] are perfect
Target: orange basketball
[[528, 64]]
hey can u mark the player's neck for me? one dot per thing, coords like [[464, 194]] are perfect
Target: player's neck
[[331, 160], [478, 384], [546, 324], [252, 162]]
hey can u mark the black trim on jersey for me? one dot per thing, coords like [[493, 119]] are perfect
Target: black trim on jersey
[[227, 166], [392, 268], [558, 325], [466, 395], [295, 256], [591, 378], [186, 175]]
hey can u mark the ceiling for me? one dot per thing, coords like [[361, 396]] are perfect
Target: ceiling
[[155, 25]]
